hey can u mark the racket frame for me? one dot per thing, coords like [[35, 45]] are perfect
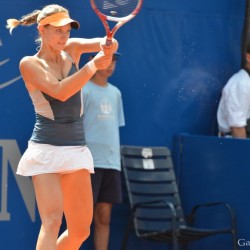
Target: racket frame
[[119, 20]]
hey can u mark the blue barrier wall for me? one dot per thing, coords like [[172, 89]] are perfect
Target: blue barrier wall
[[215, 169], [177, 56]]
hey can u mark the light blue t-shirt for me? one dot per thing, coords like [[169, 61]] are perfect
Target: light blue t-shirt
[[102, 116]]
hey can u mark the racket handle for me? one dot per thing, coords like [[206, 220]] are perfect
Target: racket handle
[[108, 41]]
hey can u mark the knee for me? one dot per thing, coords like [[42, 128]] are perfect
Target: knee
[[84, 233], [102, 218], [79, 235], [52, 221], [81, 230]]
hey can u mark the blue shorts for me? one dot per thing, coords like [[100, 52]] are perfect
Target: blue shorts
[[106, 185]]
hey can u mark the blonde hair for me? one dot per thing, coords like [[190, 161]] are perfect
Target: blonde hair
[[35, 16]]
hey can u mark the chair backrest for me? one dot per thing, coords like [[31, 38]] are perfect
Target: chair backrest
[[149, 176]]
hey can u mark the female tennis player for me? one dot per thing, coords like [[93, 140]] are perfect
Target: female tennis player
[[57, 157]]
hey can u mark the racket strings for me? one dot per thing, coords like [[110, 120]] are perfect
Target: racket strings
[[116, 8]]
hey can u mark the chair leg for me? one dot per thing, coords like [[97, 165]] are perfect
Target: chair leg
[[175, 242], [235, 243], [125, 240], [126, 234]]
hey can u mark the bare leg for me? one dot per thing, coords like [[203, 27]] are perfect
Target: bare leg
[[102, 215], [78, 209], [50, 206]]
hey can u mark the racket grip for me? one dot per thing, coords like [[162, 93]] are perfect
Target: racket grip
[[108, 41]]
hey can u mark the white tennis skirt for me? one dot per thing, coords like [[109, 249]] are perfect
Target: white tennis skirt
[[44, 158]]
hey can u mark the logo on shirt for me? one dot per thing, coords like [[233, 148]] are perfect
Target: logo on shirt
[[105, 106], [105, 109], [2, 63]]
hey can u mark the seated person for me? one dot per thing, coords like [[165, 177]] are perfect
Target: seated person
[[234, 107]]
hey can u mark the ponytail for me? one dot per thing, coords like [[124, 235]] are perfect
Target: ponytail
[[26, 20], [11, 24]]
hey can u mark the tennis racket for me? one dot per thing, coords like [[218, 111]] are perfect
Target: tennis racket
[[117, 11]]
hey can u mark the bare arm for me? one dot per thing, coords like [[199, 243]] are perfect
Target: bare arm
[[77, 46], [239, 132], [36, 77]]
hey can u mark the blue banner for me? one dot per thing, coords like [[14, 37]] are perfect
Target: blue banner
[[176, 57]]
